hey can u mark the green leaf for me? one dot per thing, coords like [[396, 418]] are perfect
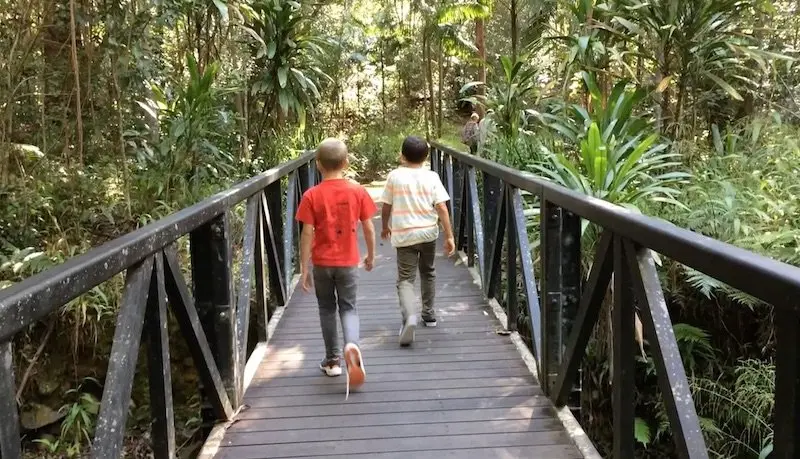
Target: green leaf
[[283, 100], [282, 74], [725, 86], [766, 451], [591, 85], [271, 48], [641, 431], [223, 9]]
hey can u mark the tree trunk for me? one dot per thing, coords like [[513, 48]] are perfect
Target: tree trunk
[[425, 110], [383, 79], [514, 31], [441, 96], [76, 73], [480, 42]]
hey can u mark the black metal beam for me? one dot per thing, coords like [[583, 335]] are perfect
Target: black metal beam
[[245, 287], [624, 363], [273, 245], [261, 313], [675, 390], [212, 284], [289, 227], [769, 280], [113, 415], [184, 309], [477, 220], [528, 275], [9, 416], [24, 303], [589, 311], [787, 385], [561, 278], [448, 183], [157, 336], [512, 300], [491, 281]]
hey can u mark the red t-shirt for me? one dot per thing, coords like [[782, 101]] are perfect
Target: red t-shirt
[[334, 208]]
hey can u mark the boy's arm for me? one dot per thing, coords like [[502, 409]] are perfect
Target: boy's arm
[[305, 256], [444, 217], [369, 237], [386, 213]]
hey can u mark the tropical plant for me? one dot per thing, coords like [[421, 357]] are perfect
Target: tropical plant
[[509, 96], [700, 45], [193, 118], [286, 53]]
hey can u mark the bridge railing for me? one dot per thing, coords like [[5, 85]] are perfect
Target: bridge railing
[[564, 315], [214, 317]]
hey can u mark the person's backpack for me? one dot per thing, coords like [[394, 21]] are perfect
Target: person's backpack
[[470, 134]]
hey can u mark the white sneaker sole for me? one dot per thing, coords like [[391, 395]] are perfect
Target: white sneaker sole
[[407, 332], [355, 366], [332, 372]]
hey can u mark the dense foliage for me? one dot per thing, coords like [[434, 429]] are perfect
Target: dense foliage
[[116, 113]]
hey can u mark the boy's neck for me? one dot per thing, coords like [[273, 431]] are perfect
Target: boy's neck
[[412, 165], [334, 175]]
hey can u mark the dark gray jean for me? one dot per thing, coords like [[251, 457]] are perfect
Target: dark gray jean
[[336, 288], [420, 257]]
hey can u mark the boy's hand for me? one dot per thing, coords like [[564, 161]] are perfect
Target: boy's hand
[[386, 233], [369, 262], [449, 246], [305, 281]]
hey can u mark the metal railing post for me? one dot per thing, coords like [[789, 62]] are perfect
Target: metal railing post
[[561, 282], [213, 292]]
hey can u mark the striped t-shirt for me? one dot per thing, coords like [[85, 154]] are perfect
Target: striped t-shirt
[[413, 193]]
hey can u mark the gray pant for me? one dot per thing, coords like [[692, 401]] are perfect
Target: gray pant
[[337, 286], [409, 259]]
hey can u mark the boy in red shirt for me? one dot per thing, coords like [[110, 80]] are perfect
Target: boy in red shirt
[[330, 213]]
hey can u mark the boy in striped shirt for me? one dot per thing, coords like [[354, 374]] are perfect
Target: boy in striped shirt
[[414, 203]]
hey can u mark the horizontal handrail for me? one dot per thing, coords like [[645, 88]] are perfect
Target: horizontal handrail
[[28, 301], [769, 280]]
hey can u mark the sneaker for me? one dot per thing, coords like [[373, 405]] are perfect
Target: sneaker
[[429, 321], [407, 331], [356, 374], [331, 367]]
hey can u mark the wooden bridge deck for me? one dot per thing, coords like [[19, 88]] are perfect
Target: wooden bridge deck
[[461, 391]]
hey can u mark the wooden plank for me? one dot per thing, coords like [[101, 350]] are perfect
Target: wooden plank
[[410, 445], [316, 379], [241, 438], [380, 397], [421, 341], [264, 390], [390, 330], [289, 371], [543, 451], [422, 418], [441, 333], [389, 408], [296, 353], [399, 360]]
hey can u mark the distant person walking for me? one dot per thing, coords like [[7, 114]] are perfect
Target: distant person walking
[[470, 134]]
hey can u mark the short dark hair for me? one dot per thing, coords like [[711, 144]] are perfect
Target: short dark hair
[[415, 150]]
